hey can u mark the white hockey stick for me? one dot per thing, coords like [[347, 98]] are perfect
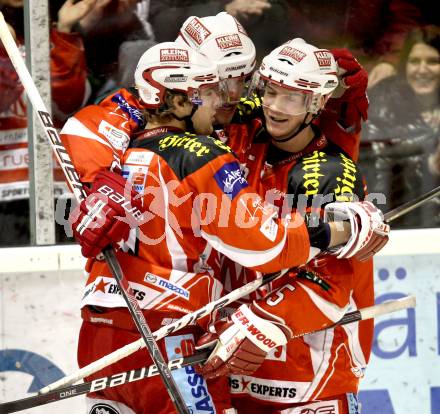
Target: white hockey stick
[[80, 194], [146, 372], [162, 332]]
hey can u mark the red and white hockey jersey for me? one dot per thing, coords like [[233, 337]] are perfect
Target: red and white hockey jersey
[[196, 200], [97, 136], [331, 362]]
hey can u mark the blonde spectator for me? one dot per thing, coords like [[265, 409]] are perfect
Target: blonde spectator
[[402, 135]]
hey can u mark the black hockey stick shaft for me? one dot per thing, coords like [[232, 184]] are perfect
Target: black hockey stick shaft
[[199, 357], [80, 194], [411, 205], [99, 384]]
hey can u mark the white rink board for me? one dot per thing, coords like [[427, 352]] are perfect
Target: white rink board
[[39, 319], [41, 315]]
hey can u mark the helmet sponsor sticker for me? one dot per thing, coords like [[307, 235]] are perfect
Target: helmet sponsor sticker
[[174, 55], [276, 70], [324, 58], [176, 78], [293, 53], [230, 41], [232, 68], [197, 31]]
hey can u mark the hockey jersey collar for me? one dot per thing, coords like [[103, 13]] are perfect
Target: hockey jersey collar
[[155, 132]]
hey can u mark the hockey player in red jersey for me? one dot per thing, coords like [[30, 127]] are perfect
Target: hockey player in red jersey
[[192, 198], [297, 166], [224, 40], [105, 129]]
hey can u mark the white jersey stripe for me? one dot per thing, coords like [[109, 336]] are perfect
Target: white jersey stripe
[[178, 256], [352, 331], [75, 127], [247, 258], [329, 309], [320, 351]]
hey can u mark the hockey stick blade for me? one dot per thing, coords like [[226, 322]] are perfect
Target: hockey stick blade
[[146, 372]]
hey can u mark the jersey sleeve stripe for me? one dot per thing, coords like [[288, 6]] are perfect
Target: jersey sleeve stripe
[[75, 127], [247, 258], [329, 309]]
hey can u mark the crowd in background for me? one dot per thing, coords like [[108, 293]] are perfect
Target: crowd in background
[[95, 45]]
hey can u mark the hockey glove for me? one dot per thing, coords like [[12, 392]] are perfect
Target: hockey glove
[[242, 342], [351, 96], [106, 215], [369, 232]]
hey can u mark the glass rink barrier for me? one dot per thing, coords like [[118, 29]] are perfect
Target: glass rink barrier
[[41, 289]]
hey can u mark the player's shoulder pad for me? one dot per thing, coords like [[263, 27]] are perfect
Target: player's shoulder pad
[[327, 172], [185, 153]]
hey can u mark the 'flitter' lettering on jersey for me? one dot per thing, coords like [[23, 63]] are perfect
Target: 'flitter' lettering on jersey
[[189, 143], [311, 165], [348, 180]]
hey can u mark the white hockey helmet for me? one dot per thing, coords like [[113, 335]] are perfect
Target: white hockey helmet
[[223, 40], [300, 68], [176, 67]]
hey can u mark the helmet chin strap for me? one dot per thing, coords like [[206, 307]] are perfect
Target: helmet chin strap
[[303, 125], [189, 126]]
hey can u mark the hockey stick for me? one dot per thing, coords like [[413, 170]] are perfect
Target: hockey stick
[[411, 205], [199, 357], [80, 194], [250, 287], [161, 333]]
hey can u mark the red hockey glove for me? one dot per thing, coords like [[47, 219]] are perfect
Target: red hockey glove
[[242, 342], [352, 99], [369, 233], [106, 215]]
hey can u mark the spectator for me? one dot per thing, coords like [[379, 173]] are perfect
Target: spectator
[[108, 26], [373, 30], [69, 73], [401, 138]]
